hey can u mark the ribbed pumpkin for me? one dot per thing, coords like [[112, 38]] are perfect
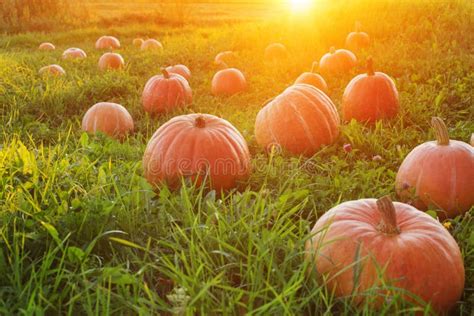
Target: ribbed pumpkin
[[439, 174], [356, 241], [195, 146], [109, 118], [314, 79], [107, 42], [163, 93], [54, 69], [225, 58], [151, 44], [300, 121], [46, 46], [180, 70], [228, 82], [337, 61], [370, 97], [276, 52], [357, 40], [74, 53], [137, 42], [111, 61]]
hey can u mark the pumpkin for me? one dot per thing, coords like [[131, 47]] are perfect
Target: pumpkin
[[300, 120], [54, 70], [356, 241], [163, 93], [225, 58], [337, 61], [357, 40], [111, 61], [107, 42], [196, 146], [109, 118], [228, 82], [46, 46], [180, 70], [438, 174], [137, 42], [151, 44], [314, 79], [370, 97], [276, 52], [74, 53]]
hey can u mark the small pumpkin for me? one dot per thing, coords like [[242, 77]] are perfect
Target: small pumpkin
[[438, 174], [411, 250], [228, 82], [111, 61], [163, 93], [180, 70], [357, 40], [276, 52], [313, 78], [195, 146], [109, 118], [337, 61], [54, 70], [300, 121], [370, 97], [74, 53], [46, 46], [107, 42], [225, 58], [151, 44], [137, 42]]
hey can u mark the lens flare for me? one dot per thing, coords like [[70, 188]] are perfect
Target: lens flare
[[301, 5]]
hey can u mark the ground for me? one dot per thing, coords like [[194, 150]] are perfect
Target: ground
[[83, 232]]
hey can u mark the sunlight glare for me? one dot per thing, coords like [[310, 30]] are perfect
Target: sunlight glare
[[301, 5]]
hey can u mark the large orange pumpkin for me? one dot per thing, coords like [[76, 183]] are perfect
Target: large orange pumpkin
[[337, 61], [357, 40], [195, 146], [370, 97], [137, 42], [439, 174], [54, 69], [300, 121], [111, 61], [356, 241], [276, 52], [109, 118], [74, 53], [151, 44], [225, 58], [46, 46], [314, 79], [180, 70], [163, 93], [228, 82], [107, 42]]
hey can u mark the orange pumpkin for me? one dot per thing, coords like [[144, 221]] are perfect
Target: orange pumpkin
[[111, 61], [54, 70], [151, 44], [300, 120], [370, 97], [46, 46], [180, 70], [109, 118], [275, 52], [74, 53], [411, 250], [337, 61], [439, 174], [313, 79], [195, 146], [163, 93], [225, 58], [357, 40], [107, 42], [137, 42], [228, 82]]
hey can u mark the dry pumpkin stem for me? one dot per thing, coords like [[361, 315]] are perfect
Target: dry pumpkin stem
[[441, 130], [388, 223], [165, 72], [200, 122], [357, 26], [370, 66], [314, 67]]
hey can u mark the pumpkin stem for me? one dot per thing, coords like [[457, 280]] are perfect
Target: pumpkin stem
[[200, 121], [165, 72], [332, 50], [357, 26], [314, 67], [441, 131], [370, 66], [388, 224]]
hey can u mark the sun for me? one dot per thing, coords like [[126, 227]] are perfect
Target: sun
[[301, 5]]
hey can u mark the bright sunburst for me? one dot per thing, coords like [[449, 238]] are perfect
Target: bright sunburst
[[301, 5]]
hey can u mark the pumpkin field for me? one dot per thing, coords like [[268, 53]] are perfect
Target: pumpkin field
[[236, 158]]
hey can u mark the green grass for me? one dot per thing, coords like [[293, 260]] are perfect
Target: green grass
[[83, 233]]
